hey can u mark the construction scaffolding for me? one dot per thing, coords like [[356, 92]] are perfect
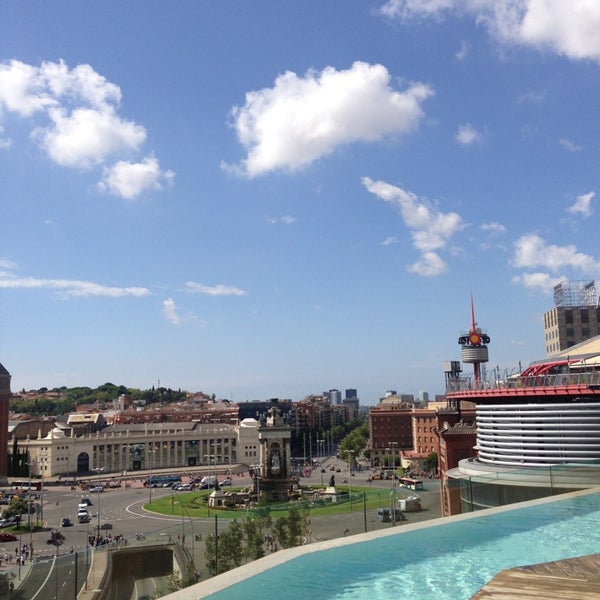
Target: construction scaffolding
[[575, 293]]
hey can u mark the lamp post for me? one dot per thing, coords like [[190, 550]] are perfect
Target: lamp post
[[87, 553], [393, 492], [320, 447], [150, 453], [98, 469], [351, 453]]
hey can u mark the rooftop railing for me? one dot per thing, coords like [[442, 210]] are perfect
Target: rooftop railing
[[573, 379]]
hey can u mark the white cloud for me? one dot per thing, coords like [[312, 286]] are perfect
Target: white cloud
[[23, 89], [540, 282], [467, 135], [390, 241], [429, 265], [569, 28], [569, 145], [70, 287], [430, 228], [128, 180], [6, 266], [286, 220], [531, 251], [77, 122], [583, 205], [463, 52], [301, 119], [531, 98], [215, 290], [410, 9], [86, 137], [494, 227], [4, 142], [169, 310]]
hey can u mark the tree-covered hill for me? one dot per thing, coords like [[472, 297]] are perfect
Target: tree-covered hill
[[58, 401]]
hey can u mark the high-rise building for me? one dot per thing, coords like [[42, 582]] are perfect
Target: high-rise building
[[351, 393], [335, 396], [575, 317]]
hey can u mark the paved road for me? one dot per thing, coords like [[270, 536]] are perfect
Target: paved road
[[122, 509]]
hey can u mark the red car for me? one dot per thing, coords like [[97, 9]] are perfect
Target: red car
[[8, 537]]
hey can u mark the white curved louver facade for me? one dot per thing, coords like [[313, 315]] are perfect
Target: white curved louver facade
[[537, 435]]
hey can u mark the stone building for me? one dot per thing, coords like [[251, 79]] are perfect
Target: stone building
[[135, 447]]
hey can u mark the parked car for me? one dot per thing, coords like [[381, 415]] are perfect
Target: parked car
[[184, 487], [8, 521], [7, 537], [66, 522]]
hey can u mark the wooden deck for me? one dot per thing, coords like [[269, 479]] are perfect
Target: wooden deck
[[570, 579]]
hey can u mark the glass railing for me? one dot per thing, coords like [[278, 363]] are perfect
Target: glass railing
[[589, 379], [496, 487]]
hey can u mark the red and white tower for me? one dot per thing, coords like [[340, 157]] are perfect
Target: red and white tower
[[474, 345]]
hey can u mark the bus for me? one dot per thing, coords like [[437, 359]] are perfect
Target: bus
[[162, 480], [409, 482], [25, 486]]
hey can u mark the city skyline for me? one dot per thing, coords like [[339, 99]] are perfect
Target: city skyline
[[274, 199]]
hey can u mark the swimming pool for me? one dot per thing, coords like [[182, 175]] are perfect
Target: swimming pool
[[448, 561]]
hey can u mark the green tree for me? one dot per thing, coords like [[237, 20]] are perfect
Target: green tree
[[288, 530], [431, 462], [210, 554], [254, 532], [231, 547]]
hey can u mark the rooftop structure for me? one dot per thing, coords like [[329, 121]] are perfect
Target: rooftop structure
[[575, 293], [538, 430], [474, 343], [575, 317]]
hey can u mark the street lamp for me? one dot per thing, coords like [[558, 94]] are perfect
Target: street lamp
[[393, 492], [351, 453], [150, 453], [98, 487], [320, 446]]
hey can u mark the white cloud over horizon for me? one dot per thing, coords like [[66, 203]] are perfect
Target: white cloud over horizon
[[532, 252], [71, 287], [430, 228], [566, 28], [214, 290], [75, 119], [301, 119]]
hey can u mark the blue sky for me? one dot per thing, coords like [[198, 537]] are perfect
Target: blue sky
[[272, 199]]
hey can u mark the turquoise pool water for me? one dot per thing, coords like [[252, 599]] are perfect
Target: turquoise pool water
[[451, 561]]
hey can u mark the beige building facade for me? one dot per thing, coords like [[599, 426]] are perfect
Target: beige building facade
[[145, 447]]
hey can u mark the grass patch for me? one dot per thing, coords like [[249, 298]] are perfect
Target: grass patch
[[195, 504]]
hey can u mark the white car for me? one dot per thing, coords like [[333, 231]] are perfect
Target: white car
[[225, 482], [96, 489]]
